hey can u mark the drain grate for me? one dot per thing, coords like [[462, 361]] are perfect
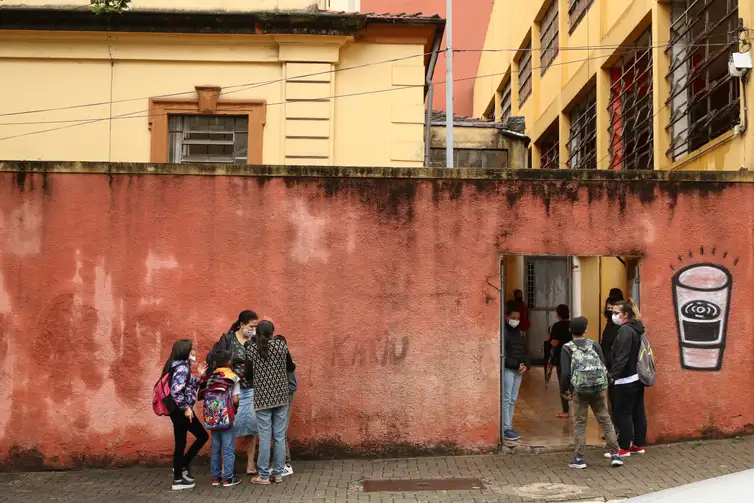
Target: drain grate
[[417, 485]]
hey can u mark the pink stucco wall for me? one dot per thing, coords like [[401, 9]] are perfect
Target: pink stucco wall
[[380, 285], [469, 30]]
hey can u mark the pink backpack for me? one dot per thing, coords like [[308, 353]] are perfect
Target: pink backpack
[[162, 401]]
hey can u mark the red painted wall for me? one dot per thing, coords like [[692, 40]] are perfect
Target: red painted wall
[[469, 30], [380, 285]]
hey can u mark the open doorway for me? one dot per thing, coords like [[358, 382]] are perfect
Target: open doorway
[[544, 283]]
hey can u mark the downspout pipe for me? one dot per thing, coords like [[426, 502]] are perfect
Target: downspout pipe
[[575, 286], [430, 96]]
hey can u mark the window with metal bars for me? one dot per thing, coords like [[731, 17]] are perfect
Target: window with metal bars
[[490, 114], [577, 9], [222, 139], [524, 74], [549, 148], [548, 37], [582, 145], [630, 108], [704, 97], [506, 104]]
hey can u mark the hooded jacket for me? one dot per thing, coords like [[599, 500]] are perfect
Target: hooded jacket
[[625, 350], [515, 348], [606, 342]]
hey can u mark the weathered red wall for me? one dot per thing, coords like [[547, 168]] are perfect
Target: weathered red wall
[[469, 30], [381, 286]]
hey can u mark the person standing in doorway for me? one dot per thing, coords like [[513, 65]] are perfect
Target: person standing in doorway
[[523, 310], [560, 335], [516, 364], [609, 333], [268, 365], [584, 381], [629, 391]]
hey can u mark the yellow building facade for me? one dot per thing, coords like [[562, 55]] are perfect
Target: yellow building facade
[[265, 82], [619, 84]]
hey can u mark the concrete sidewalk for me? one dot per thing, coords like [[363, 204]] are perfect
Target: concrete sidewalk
[[512, 478]]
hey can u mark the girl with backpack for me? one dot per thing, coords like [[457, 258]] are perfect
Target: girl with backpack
[[268, 365], [183, 389]]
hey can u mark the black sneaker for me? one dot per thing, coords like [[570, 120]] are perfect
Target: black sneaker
[[231, 482], [180, 485], [187, 475]]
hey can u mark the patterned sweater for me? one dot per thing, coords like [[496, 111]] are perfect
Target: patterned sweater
[[183, 386], [269, 377]]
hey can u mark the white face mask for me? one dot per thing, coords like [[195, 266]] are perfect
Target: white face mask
[[514, 323], [617, 319], [192, 358], [250, 332]]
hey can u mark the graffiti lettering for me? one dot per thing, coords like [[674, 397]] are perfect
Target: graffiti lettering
[[701, 297], [370, 351]]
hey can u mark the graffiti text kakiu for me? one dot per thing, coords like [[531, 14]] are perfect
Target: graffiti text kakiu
[[701, 301]]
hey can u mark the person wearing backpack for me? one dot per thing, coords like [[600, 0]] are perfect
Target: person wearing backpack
[[183, 389], [220, 392], [269, 364], [628, 389], [584, 381]]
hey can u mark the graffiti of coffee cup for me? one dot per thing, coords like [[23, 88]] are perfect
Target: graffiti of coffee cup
[[701, 297]]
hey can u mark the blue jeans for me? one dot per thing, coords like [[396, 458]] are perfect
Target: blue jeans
[[511, 383], [223, 453], [272, 424]]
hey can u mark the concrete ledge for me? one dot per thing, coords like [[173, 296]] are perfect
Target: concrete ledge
[[276, 171]]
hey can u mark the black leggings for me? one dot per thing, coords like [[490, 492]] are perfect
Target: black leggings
[[629, 415], [181, 426]]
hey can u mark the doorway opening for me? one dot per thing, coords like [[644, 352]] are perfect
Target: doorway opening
[[544, 283]]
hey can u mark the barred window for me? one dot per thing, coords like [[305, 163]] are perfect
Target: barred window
[[506, 104], [549, 148], [630, 107], [524, 74], [490, 114], [704, 97], [208, 138], [577, 9], [582, 146], [548, 37]]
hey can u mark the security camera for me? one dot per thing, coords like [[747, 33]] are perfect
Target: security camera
[[739, 64]]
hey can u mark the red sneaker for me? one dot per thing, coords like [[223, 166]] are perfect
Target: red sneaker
[[216, 481], [635, 449], [624, 453]]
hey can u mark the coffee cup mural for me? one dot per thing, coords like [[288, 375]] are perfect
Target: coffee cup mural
[[701, 298]]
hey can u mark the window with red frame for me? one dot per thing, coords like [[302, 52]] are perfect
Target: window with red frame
[[630, 108], [704, 97]]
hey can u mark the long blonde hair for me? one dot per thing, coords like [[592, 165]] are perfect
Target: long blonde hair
[[630, 308]]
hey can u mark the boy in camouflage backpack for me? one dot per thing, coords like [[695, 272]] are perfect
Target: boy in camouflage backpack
[[584, 380]]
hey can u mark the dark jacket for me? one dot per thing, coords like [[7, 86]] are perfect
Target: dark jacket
[[561, 332], [606, 342], [225, 342], [565, 361], [515, 348], [626, 350]]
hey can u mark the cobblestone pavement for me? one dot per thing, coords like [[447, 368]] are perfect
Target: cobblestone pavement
[[509, 478]]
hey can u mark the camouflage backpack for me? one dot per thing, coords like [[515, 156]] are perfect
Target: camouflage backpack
[[588, 373]]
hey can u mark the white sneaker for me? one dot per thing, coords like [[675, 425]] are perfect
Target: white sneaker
[[288, 471]]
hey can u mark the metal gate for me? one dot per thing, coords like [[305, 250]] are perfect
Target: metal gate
[[548, 284]]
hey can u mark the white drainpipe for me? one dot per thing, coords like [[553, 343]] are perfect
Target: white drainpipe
[[575, 287]]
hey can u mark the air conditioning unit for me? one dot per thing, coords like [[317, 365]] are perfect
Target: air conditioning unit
[[739, 64]]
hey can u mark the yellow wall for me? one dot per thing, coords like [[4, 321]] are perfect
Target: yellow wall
[[53, 70], [590, 294], [585, 57]]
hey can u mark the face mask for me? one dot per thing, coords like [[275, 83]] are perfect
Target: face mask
[[514, 323], [616, 319], [192, 358], [250, 332]]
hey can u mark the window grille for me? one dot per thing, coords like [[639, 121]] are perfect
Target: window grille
[[524, 75], [221, 139], [506, 104], [549, 148], [582, 145], [577, 9], [704, 97], [630, 108], [490, 115], [548, 38]]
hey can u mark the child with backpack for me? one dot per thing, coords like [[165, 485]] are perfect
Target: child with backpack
[[584, 380], [220, 391]]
